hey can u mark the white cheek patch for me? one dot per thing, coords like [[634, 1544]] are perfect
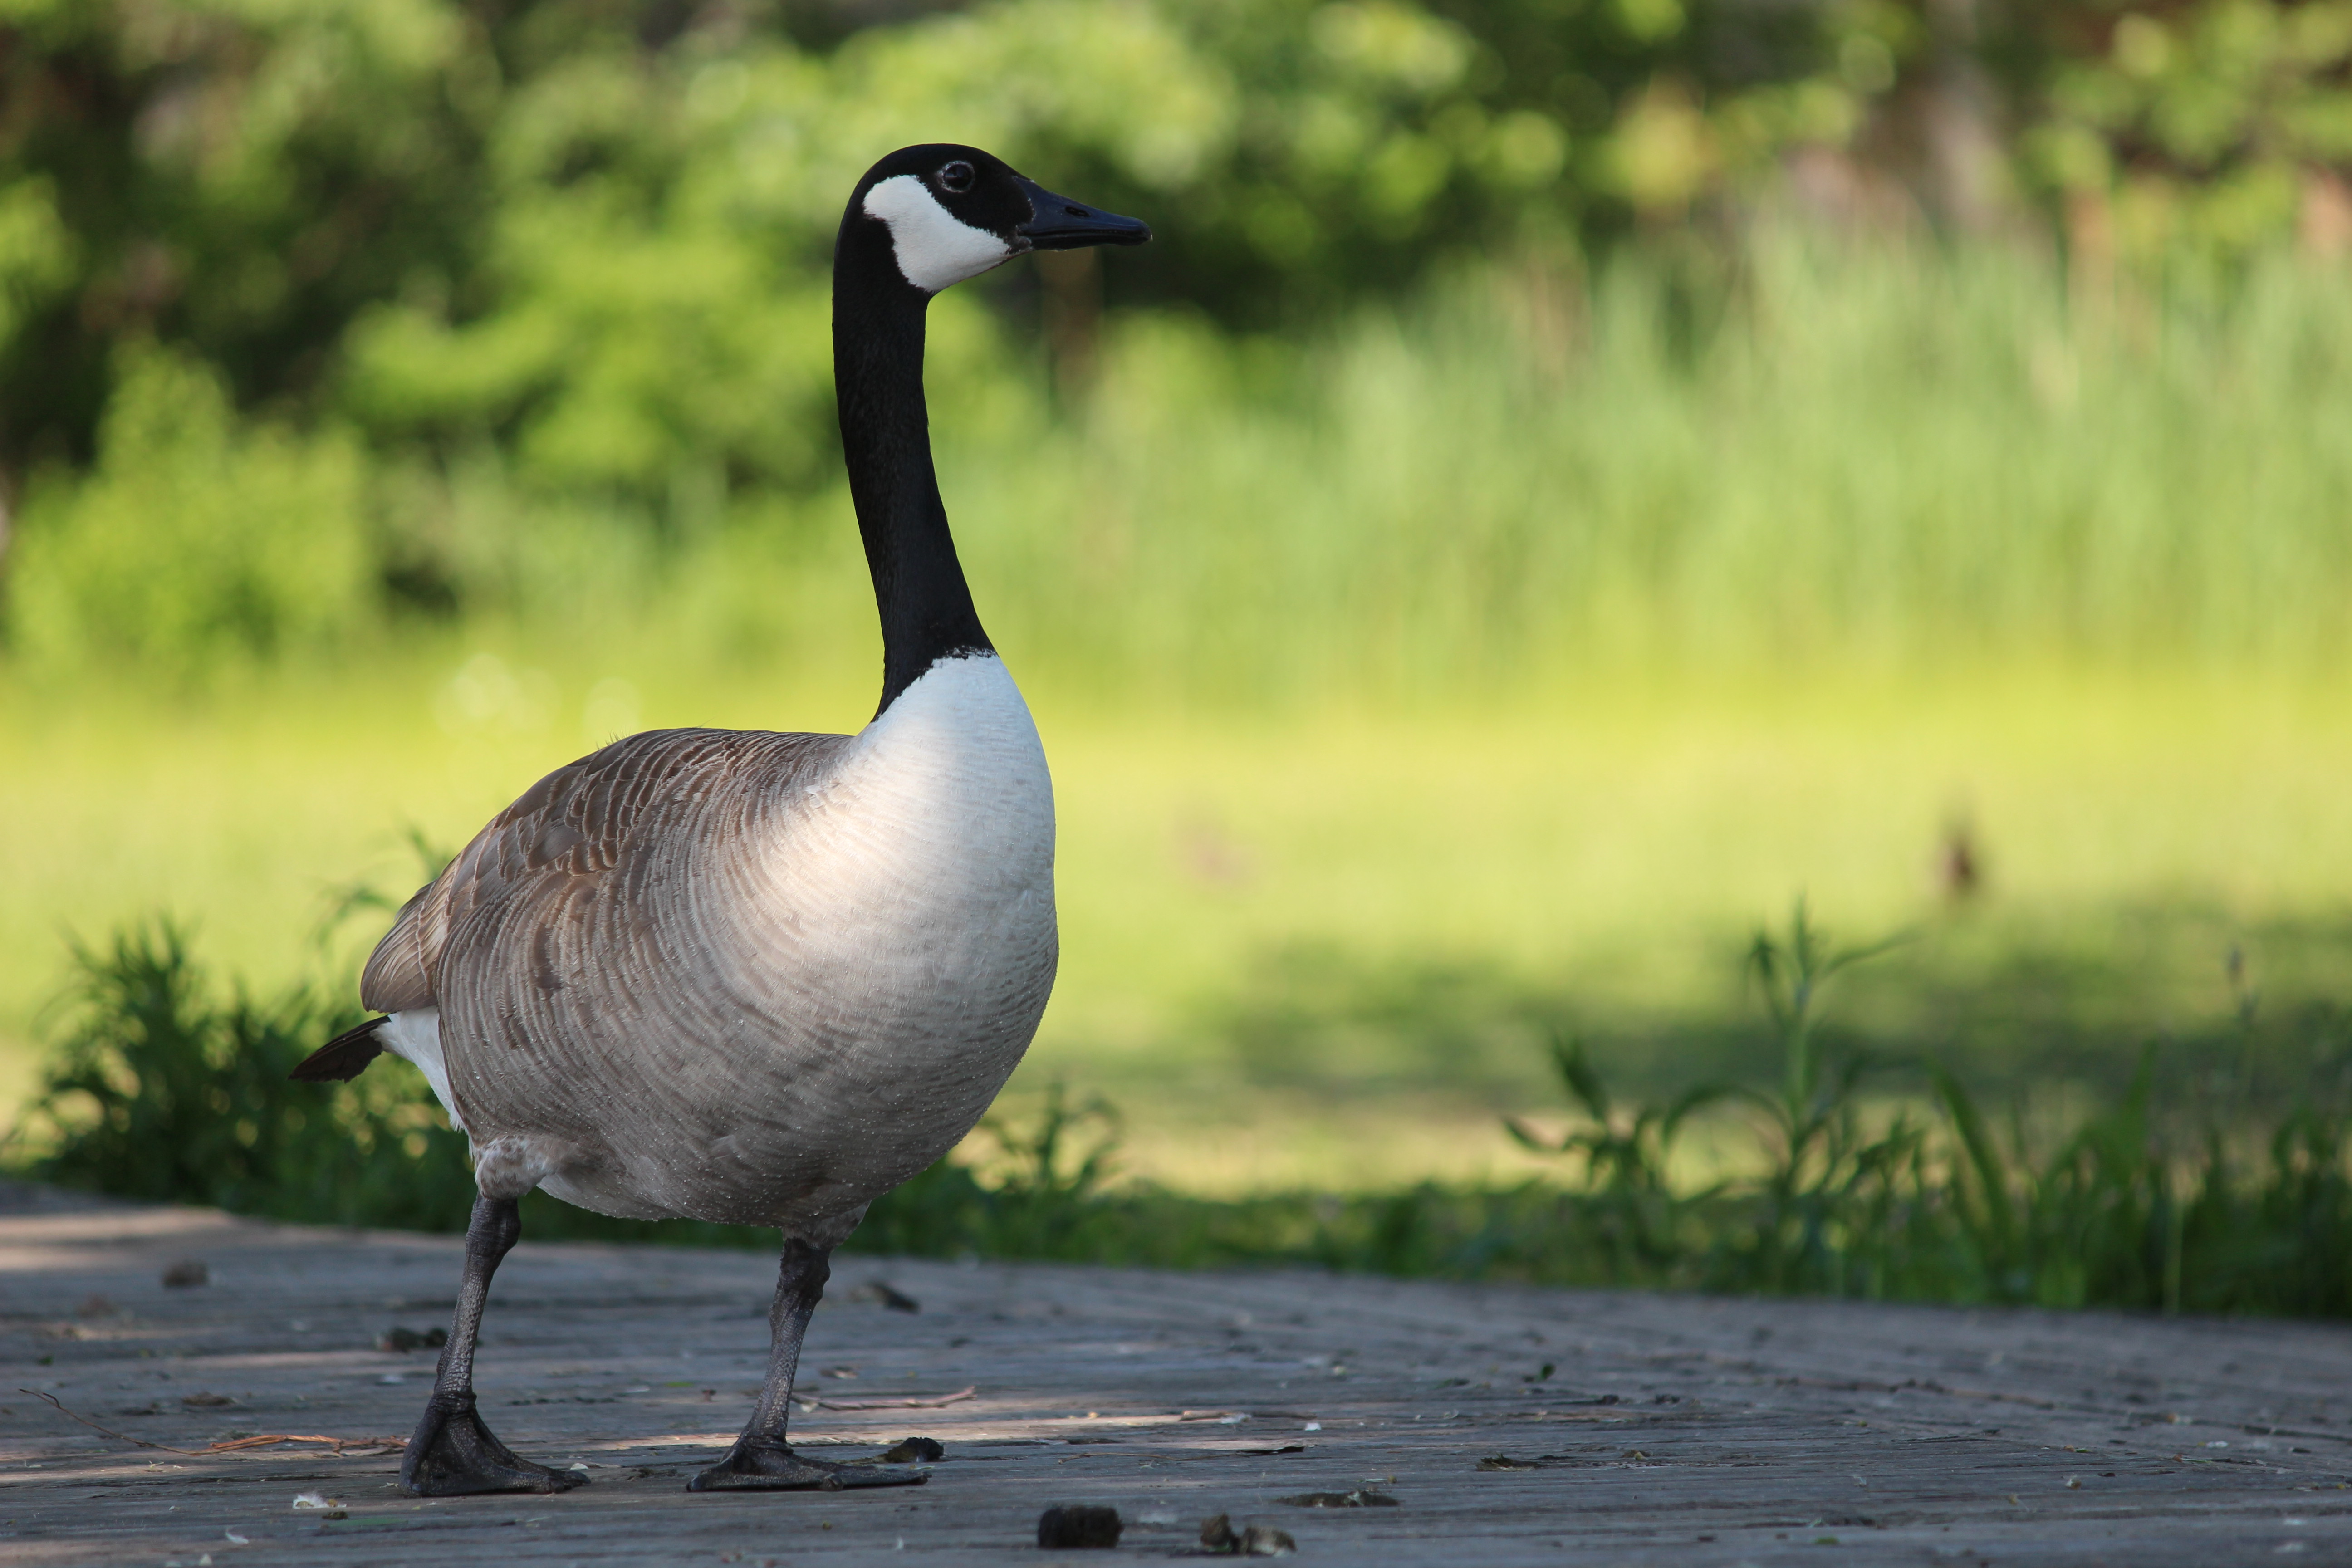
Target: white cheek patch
[[934, 247]]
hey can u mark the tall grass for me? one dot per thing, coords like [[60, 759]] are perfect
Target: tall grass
[[1841, 453], [165, 1088], [1893, 457]]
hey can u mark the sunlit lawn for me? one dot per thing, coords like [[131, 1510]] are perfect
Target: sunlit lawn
[[1606, 846]]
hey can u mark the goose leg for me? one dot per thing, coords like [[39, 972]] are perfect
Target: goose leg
[[452, 1453], [762, 1460]]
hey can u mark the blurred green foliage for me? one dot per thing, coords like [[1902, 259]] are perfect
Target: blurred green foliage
[[470, 274], [2216, 127], [194, 536]]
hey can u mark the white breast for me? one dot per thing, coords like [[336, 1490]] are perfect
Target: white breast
[[931, 840], [958, 754]]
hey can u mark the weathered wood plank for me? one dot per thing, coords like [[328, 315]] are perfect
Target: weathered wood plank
[[1677, 1430]]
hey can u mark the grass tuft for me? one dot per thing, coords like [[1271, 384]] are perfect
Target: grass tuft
[[165, 1088]]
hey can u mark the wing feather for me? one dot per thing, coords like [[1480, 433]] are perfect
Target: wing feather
[[556, 849]]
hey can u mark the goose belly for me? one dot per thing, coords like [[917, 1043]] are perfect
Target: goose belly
[[847, 985], [830, 1087]]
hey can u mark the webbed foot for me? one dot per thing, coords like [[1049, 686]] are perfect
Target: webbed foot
[[753, 1465], [454, 1454]]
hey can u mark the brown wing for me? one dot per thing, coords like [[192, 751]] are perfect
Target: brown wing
[[568, 832]]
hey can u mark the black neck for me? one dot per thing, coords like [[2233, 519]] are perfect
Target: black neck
[[886, 440]]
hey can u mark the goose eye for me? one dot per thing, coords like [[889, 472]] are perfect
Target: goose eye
[[956, 177]]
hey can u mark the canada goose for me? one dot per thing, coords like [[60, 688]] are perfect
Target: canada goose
[[758, 978]]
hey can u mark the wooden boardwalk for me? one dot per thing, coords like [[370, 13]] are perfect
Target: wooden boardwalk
[[1637, 1429]]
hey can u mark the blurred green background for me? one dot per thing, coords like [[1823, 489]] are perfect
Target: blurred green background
[[1569, 477]]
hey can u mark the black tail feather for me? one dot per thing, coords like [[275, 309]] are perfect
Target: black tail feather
[[343, 1059]]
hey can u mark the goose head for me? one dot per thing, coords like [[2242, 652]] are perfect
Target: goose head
[[932, 215]]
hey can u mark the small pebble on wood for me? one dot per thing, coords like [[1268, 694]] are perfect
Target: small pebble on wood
[[188, 1271], [881, 1293], [1073, 1527], [1219, 1536]]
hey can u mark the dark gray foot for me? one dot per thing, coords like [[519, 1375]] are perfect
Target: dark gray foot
[[454, 1454], [755, 1466]]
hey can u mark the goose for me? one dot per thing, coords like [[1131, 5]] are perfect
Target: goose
[[751, 977]]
